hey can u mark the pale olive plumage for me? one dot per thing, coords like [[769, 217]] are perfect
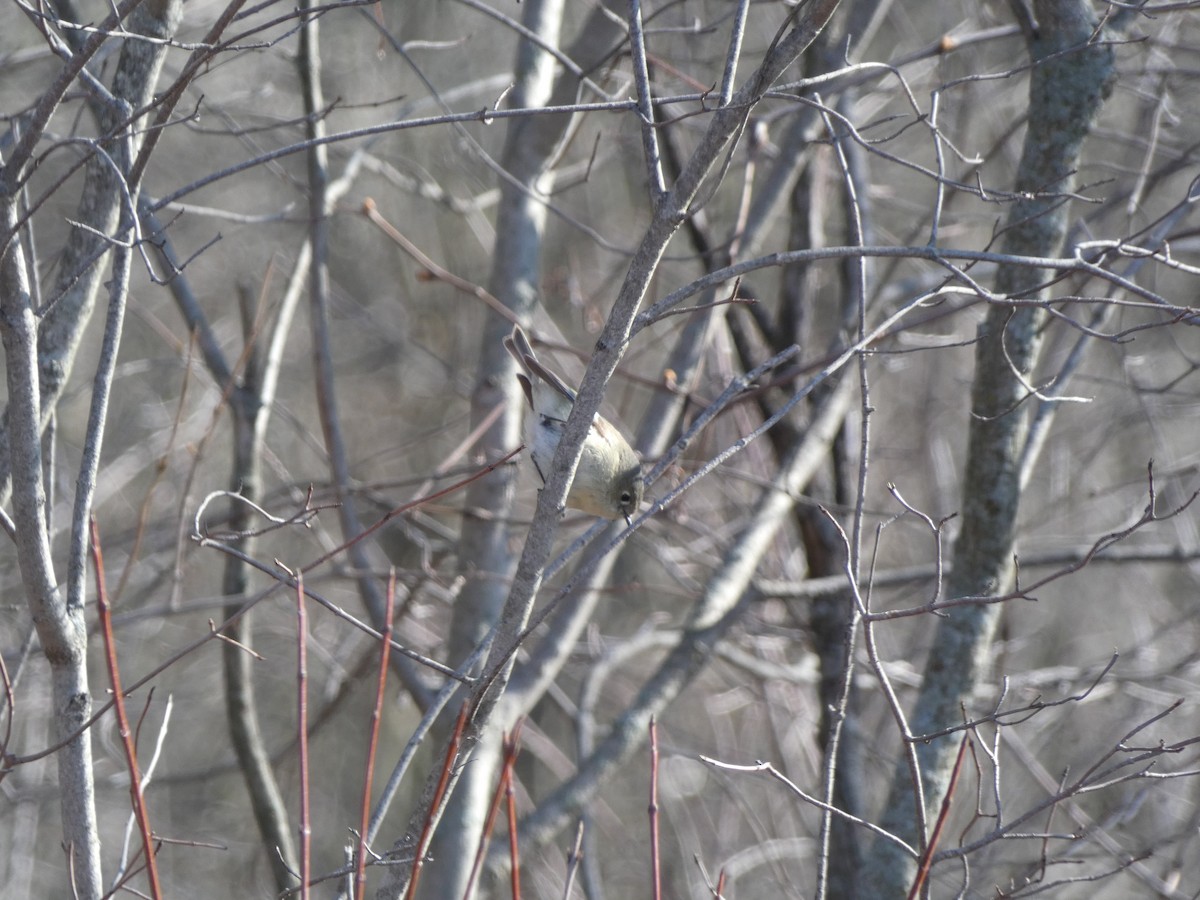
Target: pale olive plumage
[[608, 481]]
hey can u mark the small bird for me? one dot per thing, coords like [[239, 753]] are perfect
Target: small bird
[[608, 480]]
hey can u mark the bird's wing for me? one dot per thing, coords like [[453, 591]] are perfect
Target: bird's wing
[[518, 345]]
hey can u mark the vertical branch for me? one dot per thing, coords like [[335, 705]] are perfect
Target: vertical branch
[[485, 837], [655, 863], [514, 855], [302, 736], [250, 386], [641, 77], [1070, 79], [241, 706], [61, 629], [843, 619], [736, 33], [319, 203], [89, 467], [38, 360]]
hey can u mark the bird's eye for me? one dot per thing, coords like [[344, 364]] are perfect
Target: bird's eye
[[626, 497]]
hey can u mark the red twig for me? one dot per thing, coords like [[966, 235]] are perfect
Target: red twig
[[943, 814], [511, 744], [439, 792], [302, 735], [114, 677], [721, 885], [655, 869], [360, 866]]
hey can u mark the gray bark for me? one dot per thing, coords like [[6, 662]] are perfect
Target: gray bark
[[1070, 79]]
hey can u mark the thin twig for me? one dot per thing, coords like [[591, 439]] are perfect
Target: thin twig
[[641, 78], [655, 866], [439, 796], [926, 862], [302, 737], [114, 676], [511, 745], [385, 646], [574, 858]]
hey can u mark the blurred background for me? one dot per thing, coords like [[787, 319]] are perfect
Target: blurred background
[[415, 370]]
